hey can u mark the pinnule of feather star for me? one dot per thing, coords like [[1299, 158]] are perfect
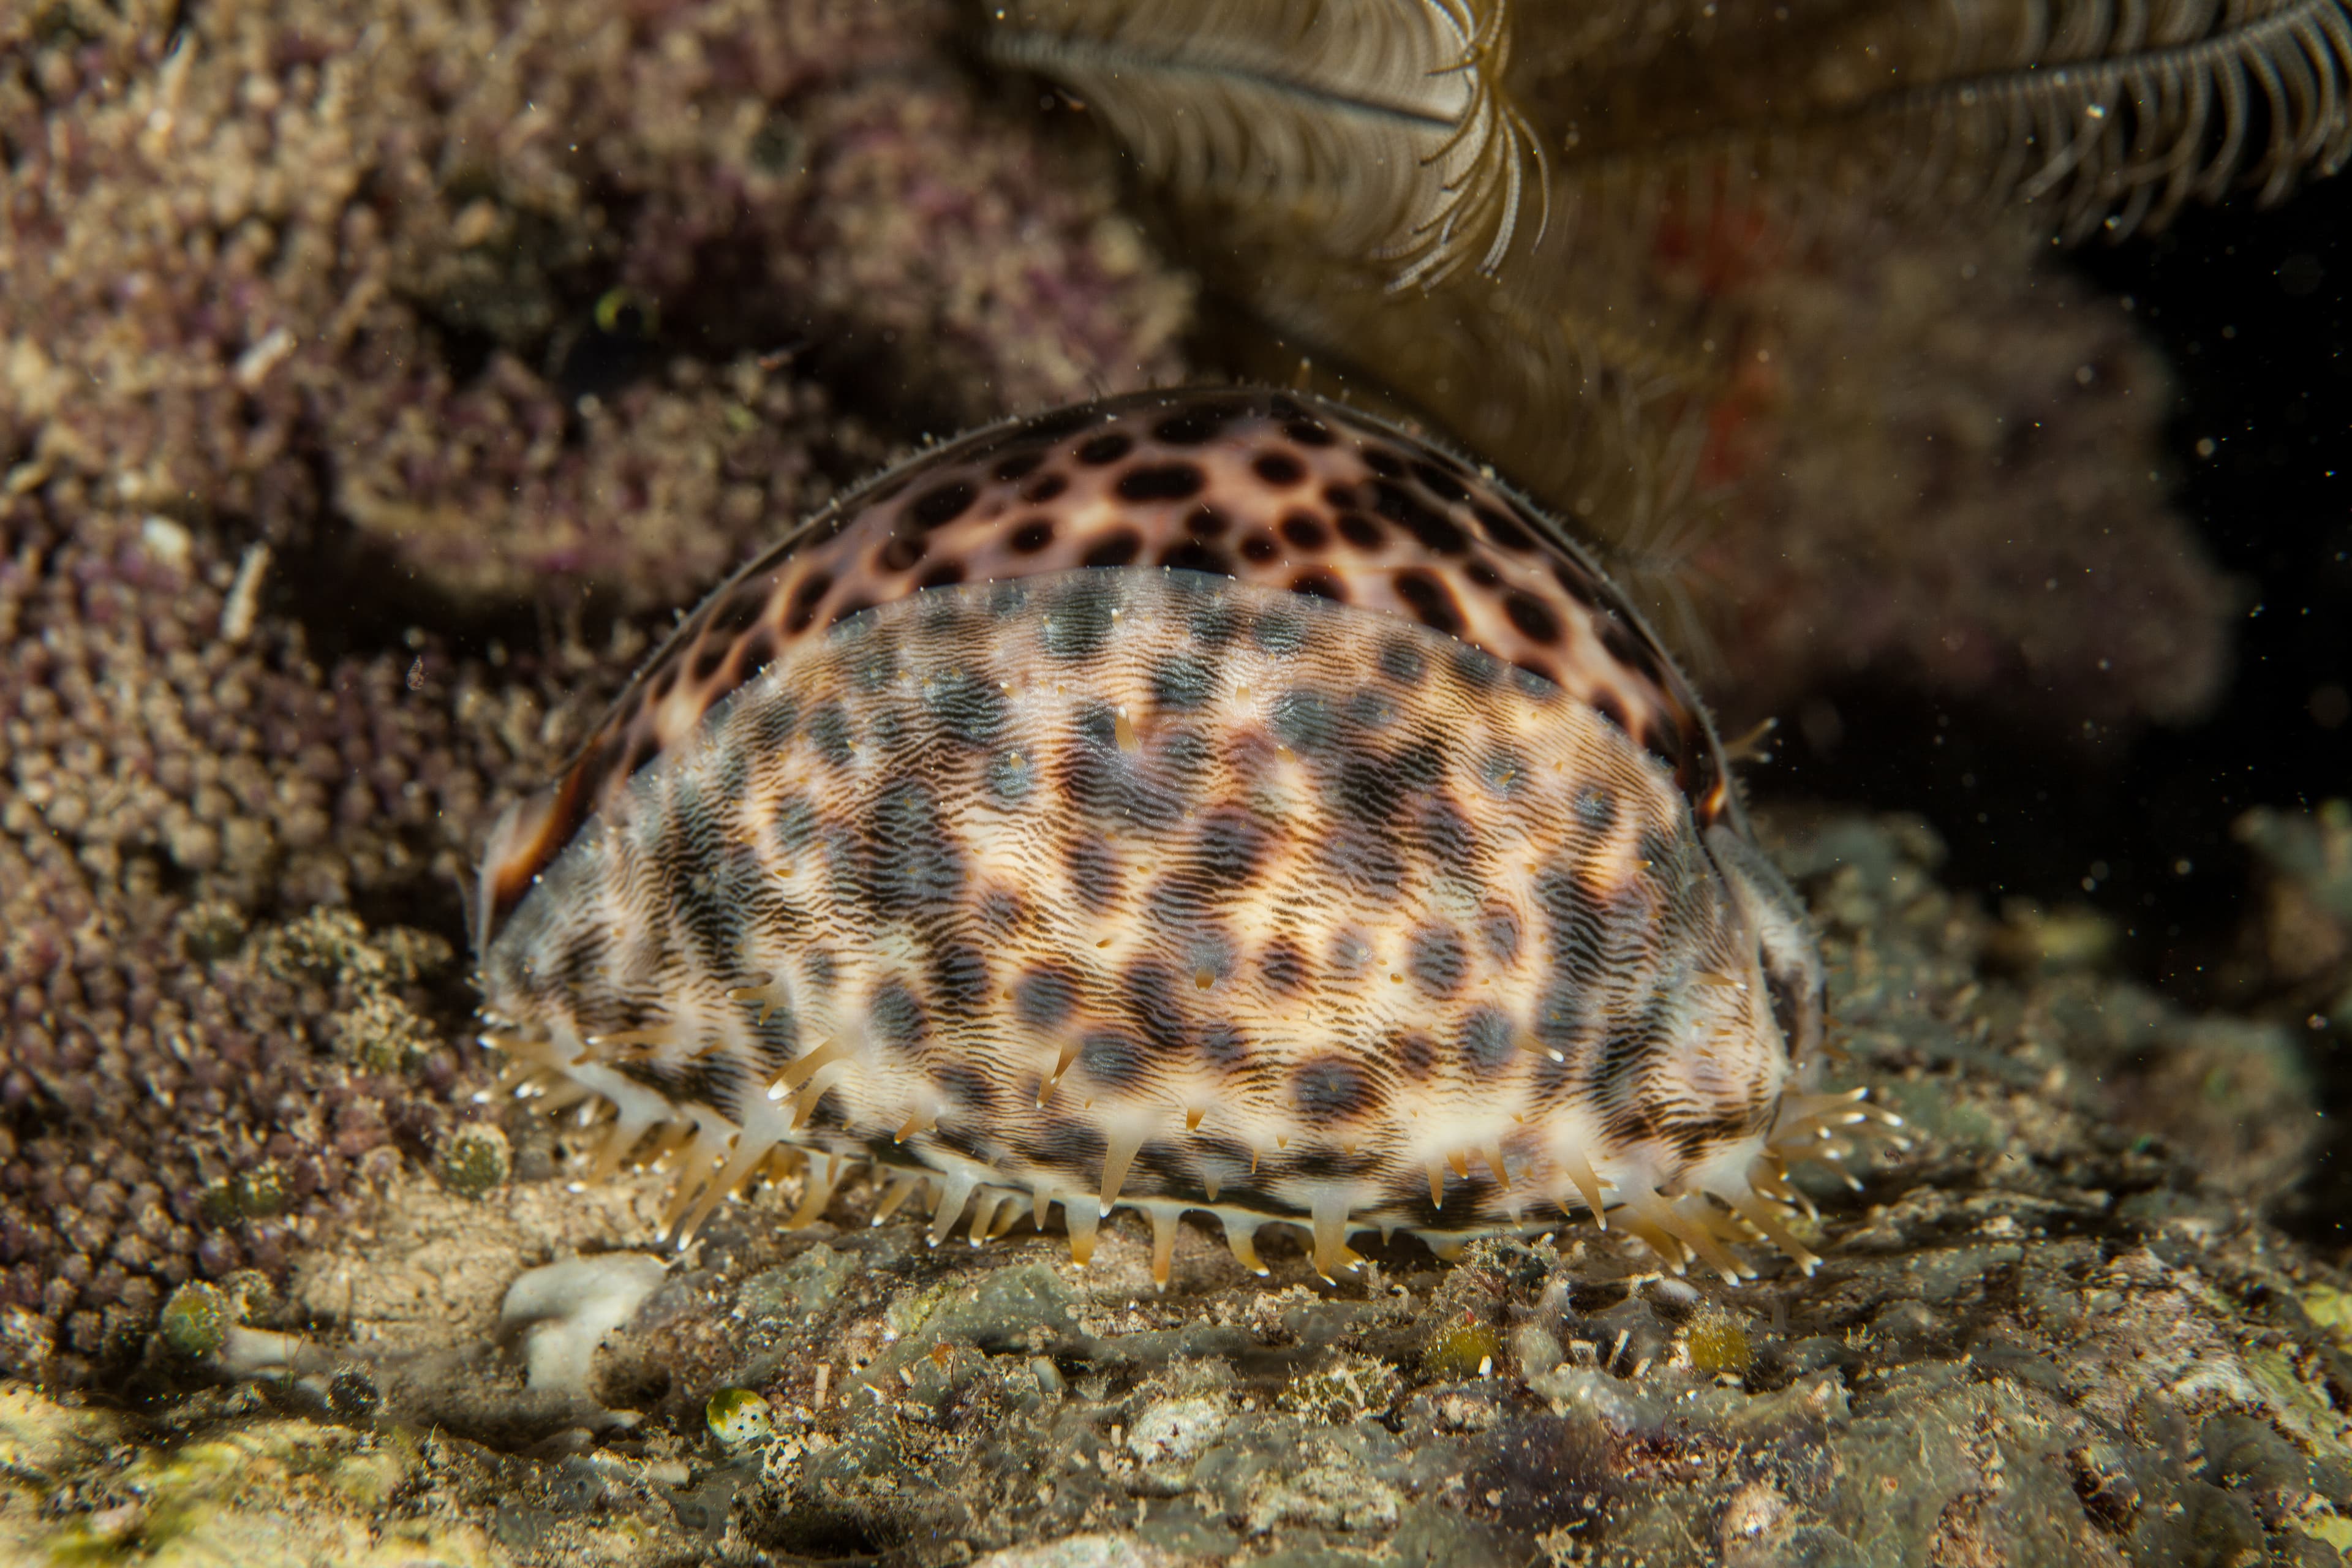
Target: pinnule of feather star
[[1380, 125], [1769, 132], [1345, 148], [1419, 131]]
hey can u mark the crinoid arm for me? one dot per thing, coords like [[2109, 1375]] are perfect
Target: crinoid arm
[[1383, 125]]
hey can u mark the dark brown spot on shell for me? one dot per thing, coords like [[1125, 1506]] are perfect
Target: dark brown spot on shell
[[1045, 488], [1032, 536], [1502, 530], [1224, 1047], [1305, 531], [1207, 523], [958, 977], [1118, 548], [1279, 468], [901, 551], [1150, 991], [1320, 584], [1108, 448], [1485, 1041], [1017, 466], [1002, 911], [1383, 462], [913, 866], [1161, 481], [1414, 1054], [1260, 546], [946, 574], [805, 599], [942, 504], [1192, 555], [1430, 600], [1093, 873], [1310, 432], [1498, 932], [1184, 682], [970, 1088], [1404, 662], [1351, 951], [895, 1017], [1360, 530], [1231, 850], [1435, 531], [1532, 615], [1629, 650], [1440, 483], [1068, 1139], [1575, 582], [1114, 1060], [1445, 833], [1629, 1051]]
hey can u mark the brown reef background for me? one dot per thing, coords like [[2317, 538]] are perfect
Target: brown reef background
[[375, 382], [339, 345]]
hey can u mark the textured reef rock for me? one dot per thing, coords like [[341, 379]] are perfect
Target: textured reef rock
[[515, 289], [2055, 1331], [502, 303], [2300, 957], [207, 1052], [1939, 465]]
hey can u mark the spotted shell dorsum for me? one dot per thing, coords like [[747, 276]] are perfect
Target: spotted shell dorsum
[[1206, 801]]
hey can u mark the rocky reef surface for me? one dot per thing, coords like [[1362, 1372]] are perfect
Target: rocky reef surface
[[2055, 1329], [372, 381]]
